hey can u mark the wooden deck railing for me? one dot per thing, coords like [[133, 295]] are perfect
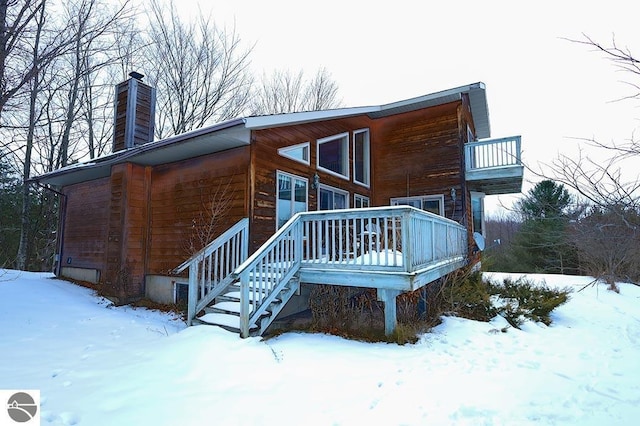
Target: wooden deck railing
[[493, 153], [210, 269], [397, 238]]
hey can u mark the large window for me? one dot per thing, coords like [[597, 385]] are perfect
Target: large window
[[291, 195], [332, 198], [333, 154], [429, 203], [361, 159], [296, 152]]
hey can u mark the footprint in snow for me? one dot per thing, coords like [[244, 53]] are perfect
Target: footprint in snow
[[55, 373]]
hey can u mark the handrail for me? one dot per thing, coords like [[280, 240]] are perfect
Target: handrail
[[210, 269]]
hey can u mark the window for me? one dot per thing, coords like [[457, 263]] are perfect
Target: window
[[296, 152], [332, 198], [291, 196], [333, 154], [360, 201], [361, 158], [429, 203], [477, 212]]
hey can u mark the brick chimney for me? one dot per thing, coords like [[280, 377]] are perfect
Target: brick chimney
[[135, 105]]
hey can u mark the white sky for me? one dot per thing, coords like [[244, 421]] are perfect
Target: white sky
[[547, 89]]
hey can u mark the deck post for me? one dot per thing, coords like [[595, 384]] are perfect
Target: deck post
[[388, 297]]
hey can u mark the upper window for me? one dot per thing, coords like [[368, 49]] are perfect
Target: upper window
[[296, 152], [429, 203], [291, 195], [333, 154], [361, 159]]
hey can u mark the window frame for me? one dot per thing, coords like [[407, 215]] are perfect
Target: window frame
[[283, 152], [478, 196], [398, 201], [293, 179], [345, 152], [334, 190], [361, 198], [366, 159]]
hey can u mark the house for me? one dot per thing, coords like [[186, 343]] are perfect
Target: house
[[253, 207]]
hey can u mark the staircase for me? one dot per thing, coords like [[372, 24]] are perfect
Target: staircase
[[240, 293]]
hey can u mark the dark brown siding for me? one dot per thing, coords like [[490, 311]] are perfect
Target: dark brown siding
[[419, 153], [182, 195], [126, 234], [267, 161], [86, 219], [134, 114]]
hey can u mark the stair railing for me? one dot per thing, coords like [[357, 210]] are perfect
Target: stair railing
[[267, 271], [210, 269]]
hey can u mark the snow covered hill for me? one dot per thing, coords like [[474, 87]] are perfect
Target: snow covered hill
[[100, 365]]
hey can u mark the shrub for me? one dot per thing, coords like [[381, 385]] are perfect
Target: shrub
[[520, 300]]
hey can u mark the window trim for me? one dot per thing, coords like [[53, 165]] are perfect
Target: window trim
[[333, 189], [283, 152], [480, 196], [345, 151], [367, 158], [293, 177], [440, 197]]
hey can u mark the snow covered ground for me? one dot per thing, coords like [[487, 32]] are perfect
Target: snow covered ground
[[100, 365]]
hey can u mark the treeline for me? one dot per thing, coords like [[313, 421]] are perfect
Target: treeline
[[59, 62], [551, 232]]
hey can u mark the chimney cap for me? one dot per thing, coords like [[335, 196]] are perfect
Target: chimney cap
[[136, 75]]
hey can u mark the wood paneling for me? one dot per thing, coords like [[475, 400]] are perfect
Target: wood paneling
[[85, 224], [188, 195], [419, 153]]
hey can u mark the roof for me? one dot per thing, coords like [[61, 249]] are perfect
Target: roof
[[237, 132]]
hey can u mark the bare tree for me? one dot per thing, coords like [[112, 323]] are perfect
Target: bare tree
[[200, 71], [603, 183], [284, 91]]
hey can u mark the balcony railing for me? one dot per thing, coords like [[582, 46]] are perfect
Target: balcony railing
[[493, 153]]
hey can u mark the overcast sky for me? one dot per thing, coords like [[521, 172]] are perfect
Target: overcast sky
[[539, 85]]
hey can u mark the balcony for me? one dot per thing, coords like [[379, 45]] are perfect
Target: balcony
[[494, 166]]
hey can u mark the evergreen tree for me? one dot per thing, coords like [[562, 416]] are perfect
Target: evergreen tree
[[541, 244], [10, 205]]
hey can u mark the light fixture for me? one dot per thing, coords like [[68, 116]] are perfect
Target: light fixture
[[453, 194], [315, 181]]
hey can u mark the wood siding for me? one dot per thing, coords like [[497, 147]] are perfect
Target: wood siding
[[182, 197], [134, 114], [266, 162], [127, 232], [85, 231], [420, 153]]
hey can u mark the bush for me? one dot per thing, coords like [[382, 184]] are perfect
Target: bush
[[521, 300], [468, 296]]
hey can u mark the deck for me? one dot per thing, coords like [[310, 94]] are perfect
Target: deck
[[394, 249]]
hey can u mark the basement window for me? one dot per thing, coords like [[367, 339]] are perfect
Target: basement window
[[333, 155]]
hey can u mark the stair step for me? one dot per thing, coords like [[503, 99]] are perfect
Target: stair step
[[235, 295], [223, 320], [233, 307]]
